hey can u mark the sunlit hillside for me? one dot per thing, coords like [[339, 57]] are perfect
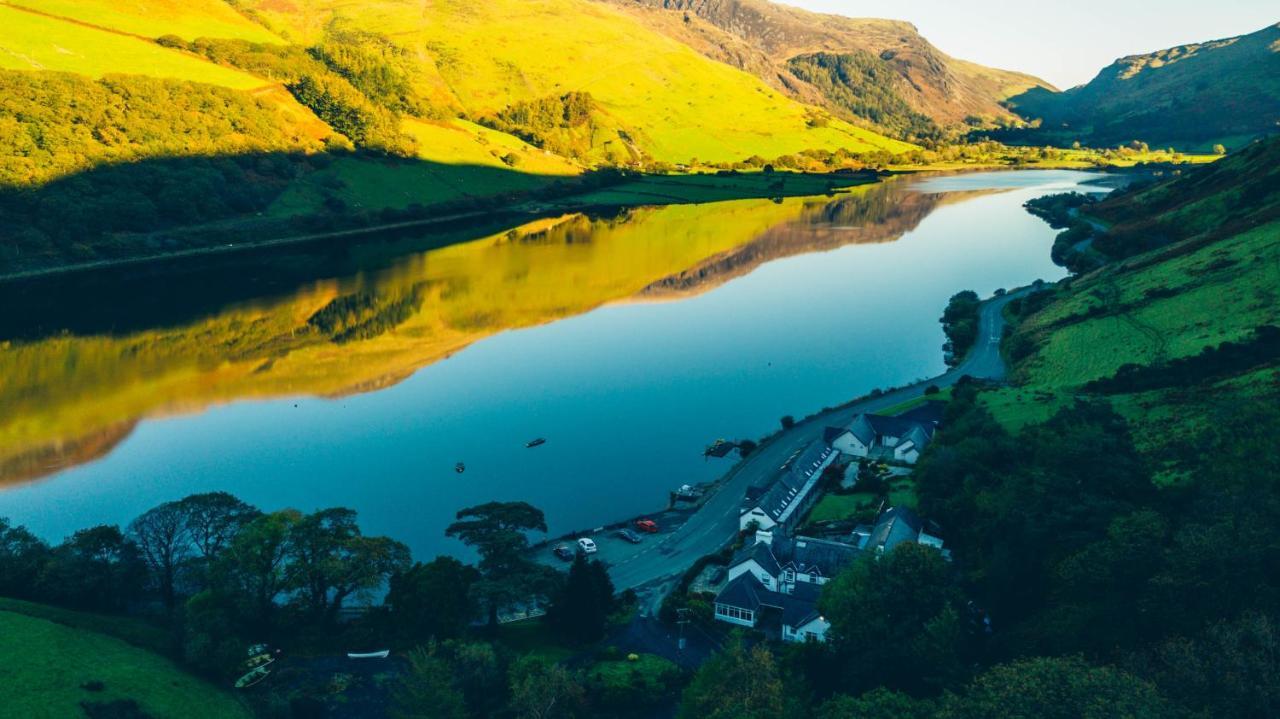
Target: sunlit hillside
[[669, 100]]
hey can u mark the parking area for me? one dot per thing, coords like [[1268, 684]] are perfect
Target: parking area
[[612, 549]]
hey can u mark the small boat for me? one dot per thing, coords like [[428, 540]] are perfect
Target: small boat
[[258, 661], [253, 677], [459, 467], [370, 655], [535, 442]]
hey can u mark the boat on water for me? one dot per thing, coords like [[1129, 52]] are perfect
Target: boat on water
[[253, 677], [535, 442], [369, 655], [459, 467]]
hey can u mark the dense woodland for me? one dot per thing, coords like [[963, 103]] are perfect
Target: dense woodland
[[867, 88]]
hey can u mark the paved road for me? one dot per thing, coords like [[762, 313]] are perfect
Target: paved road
[[715, 523]]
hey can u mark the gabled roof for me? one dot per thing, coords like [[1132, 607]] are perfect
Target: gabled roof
[[743, 593], [895, 526], [895, 426], [917, 436], [862, 429], [831, 434], [762, 554]]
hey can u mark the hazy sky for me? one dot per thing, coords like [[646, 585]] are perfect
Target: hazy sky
[[1067, 41]]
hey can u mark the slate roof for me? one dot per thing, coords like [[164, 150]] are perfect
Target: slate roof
[[815, 556], [743, 592], [895, 526], [760, 552], [800, 607], [894, 426], [790, 483]]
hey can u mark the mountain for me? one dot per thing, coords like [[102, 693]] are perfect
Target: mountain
[[777, 42], [1191, 97]]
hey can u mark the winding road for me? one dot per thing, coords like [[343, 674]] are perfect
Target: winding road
[[654, 566]]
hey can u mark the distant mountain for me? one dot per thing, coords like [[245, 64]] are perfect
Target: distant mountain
[[782, 44], [1191, 97]]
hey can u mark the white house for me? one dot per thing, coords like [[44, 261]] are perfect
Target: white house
[[893, 527], [785, 499], [777, 579], [900, 438]]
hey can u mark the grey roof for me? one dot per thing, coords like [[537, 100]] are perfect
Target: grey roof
[[895, 526], [743, 593], [895, 426], [862, 429], [831, 434], [800, 607], [814, 556], [790, 483], [762, 554]]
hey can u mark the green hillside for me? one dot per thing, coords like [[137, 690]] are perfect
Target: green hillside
[[1195, 263], [655, 93], [1191, 97], [52, 670]]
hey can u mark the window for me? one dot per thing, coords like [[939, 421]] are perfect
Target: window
[[745, 615], [789, 576]]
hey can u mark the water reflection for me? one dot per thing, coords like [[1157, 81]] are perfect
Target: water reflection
[[626, 392]]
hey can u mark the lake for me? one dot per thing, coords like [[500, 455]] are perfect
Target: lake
[[630, 342]]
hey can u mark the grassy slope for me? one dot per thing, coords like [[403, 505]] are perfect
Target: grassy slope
[[35, 42], [679, 104], [1207, 288], [44, 665], [188, 19]]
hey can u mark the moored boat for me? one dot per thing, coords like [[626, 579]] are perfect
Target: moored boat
[[369, 655]]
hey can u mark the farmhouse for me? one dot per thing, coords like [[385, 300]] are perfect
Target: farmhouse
[[900, 438], [784, 499]]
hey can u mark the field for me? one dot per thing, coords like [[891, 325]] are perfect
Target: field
[[46, 665], [458, 142], [675, 103], [188, 19], [34, 42], [1167, 310]]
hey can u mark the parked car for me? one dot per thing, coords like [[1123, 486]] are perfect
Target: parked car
[[563, 552], [627, 535], [587, 546], [647, 525]]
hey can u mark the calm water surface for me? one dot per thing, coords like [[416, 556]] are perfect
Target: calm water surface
[[629, 343]]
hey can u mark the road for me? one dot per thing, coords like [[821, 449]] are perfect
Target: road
[[655, 565]]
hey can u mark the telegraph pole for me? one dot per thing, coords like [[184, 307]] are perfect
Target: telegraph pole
[[682, 618]]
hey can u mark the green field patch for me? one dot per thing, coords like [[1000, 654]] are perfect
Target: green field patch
[[46, 666], [533, 637], [35, 42], [187, 19]]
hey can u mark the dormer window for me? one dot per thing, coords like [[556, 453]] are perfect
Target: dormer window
[[789, 576]]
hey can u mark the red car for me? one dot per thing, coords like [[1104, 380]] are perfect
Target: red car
[[647, 525]]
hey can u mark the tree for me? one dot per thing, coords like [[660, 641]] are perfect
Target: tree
[[433, 600], [543, 690], [96, 568], [213, 518], [895, 622], [164, 542], [497, 531], [737, 683], [22, 557], [788, 421], [1219, 149], [329, 560], [427, 691], [581, 608], [1057, 688], [253, 569], [877, 704]]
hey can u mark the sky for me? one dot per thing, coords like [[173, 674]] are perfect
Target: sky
[[1067, 41]]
